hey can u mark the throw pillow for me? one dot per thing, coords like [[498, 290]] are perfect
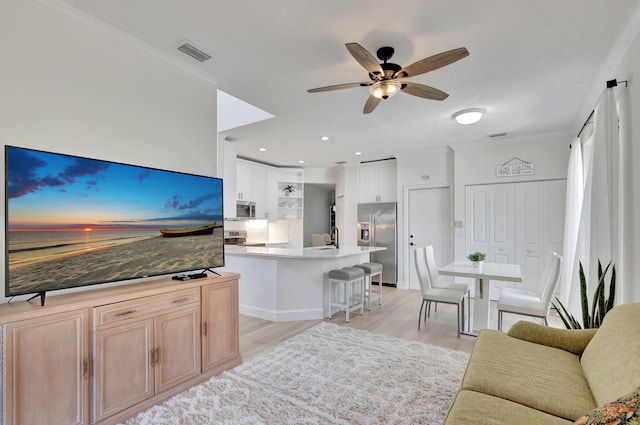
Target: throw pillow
[[625, 410]]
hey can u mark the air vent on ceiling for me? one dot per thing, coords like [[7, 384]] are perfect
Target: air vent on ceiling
[[193, 51]]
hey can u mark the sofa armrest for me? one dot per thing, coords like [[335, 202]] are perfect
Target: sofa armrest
[[571, 340]]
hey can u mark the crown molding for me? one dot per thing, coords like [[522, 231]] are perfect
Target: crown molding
[[87, 22]]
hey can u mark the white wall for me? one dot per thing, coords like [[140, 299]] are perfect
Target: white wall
[[68, 87], [476, 164]]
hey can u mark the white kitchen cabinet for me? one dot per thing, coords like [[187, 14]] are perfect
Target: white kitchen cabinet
[[377, 182], [244, 181], [259, 189], [272, 193]]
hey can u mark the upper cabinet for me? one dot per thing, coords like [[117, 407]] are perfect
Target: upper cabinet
[[244, 180], [377, 181], [265, 185]]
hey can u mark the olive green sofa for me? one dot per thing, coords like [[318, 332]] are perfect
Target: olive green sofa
[[539, 375]]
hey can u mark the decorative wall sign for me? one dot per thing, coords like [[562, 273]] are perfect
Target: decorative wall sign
[[523, 168]]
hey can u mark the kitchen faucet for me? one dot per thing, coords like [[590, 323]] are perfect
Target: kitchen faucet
[[334, 231]]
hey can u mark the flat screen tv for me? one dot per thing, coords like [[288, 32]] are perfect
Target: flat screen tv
[[73, 221]]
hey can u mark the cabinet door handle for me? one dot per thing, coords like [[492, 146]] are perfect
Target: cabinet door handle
[[125, 313], [158, 355], [180, 300], [85, 369], [204, 328], [153, 357]]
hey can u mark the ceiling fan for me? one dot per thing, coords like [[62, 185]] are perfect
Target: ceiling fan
[[387, 78]]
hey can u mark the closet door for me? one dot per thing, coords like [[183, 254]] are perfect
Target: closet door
[[530, 233], [491, 222], [516, 223]]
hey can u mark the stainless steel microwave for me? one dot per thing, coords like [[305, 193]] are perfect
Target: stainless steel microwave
[[245, 209]]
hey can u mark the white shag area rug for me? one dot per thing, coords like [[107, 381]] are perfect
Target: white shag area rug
[[328, 374]]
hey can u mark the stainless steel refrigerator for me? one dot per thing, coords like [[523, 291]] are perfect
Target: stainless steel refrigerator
[[377, 226]]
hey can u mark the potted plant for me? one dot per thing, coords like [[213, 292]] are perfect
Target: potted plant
[[477, 258], [592, 316], [288, 189]]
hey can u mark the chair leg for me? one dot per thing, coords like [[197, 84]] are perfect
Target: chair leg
[[461, 324], [545, 321], [499, 320], [469, 310], [429, 314], [458, 307], [420, 314]]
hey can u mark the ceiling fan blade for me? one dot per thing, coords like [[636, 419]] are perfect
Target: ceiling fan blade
[[421, 90], [365, 58], [371, 104], [339, 87], [432, 62]]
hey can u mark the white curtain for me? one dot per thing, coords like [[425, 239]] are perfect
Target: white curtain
[[605, 211], [575, 192]]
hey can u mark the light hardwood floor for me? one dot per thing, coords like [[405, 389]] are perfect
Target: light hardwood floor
[[397, 316]]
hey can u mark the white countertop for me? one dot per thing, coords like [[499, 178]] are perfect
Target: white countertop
[[308, 253]]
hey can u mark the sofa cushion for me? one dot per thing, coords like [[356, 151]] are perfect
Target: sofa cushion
[[625, 410], [534, 375], [610, 360], [471, 407]]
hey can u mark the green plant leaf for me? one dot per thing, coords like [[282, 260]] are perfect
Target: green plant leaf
[[569, 321], [612, 289], [586, 319]]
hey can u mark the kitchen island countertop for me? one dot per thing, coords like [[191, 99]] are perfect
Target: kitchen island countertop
[[322, 252]]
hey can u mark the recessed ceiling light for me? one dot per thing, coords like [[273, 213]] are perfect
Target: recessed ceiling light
[[469, 116], [262, 149], [324, 138], [357, 153], [301, 162]]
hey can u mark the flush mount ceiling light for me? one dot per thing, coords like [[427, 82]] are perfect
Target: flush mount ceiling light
[[324, 138], [262, 149], [385, 89], [469, 116]]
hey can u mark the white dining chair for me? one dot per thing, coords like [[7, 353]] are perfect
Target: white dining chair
[[532, 303], [437, 283], [437, 295]]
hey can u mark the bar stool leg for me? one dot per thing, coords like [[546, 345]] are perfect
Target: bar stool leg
[[362, 285], [347, 299]]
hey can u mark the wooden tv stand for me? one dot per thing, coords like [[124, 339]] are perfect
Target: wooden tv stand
[[101, 356]]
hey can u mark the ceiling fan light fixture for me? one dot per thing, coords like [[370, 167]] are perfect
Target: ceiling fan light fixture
[[469, 116], [385, 89]]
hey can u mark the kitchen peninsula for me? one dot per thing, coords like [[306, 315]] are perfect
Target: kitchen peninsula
[[283, 284]]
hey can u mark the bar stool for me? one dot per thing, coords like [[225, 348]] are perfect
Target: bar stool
[[371, 270], [346, 279]]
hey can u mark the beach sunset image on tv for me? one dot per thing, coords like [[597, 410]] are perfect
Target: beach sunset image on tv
[[73, 221]]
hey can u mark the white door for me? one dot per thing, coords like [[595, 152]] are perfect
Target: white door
[[530, 233], [516, 223], [429, 224], [490, 222]]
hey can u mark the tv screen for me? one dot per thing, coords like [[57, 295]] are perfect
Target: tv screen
[[73, 221]]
